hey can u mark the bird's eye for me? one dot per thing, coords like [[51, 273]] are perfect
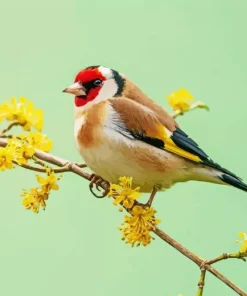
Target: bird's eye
[[97, 82]]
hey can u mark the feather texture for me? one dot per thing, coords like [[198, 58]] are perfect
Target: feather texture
[[141, 123], [121, 131]]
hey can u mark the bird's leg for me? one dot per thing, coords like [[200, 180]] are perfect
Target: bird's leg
[[99, 182], [152, 195]]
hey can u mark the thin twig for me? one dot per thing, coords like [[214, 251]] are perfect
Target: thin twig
[[6, 136], [38, 161], [81, 165], [41, 170], [9, 127], [225, 256], [194, 106], [152, 196], [201, 282]]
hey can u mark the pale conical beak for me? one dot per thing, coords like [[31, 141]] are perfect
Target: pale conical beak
[[76, 89]]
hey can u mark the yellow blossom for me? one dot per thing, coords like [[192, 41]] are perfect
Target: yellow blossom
[[23, 150], [6, 157], [49, 182], [15, 151], [33, 199], [243, 247], [123, 193], [36, 197], [23, 112], [179, 99], [38, 141], [136, 229], [27, 152]]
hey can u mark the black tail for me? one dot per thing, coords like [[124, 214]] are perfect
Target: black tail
[[233, 181]]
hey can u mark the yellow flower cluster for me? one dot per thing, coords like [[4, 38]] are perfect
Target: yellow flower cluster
[[22, 112], [243, 247], [6, 157], [123, 194], [36, 197], [38, 141], [15, 152], [20, 149], [137, 227], [180, 99]]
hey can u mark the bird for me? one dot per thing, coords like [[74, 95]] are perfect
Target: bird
[[120, 131]]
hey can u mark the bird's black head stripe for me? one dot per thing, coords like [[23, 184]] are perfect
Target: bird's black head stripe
[[120, 82]]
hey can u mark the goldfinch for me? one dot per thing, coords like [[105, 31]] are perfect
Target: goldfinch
[[120, 131]]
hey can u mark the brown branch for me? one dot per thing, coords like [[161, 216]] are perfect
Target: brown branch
[[55, 160], [225, 280], [65, 166], [200, 261], [77, 169], [165, 237], [63, 169]]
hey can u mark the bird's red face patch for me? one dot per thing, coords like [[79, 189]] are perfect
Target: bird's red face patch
[[92, 80]]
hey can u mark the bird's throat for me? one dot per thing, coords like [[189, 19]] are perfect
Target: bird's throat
[[80, 101]]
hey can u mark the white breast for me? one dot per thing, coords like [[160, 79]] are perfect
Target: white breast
[[115, 156]]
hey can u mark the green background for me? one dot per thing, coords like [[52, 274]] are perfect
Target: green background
[[74, 248]]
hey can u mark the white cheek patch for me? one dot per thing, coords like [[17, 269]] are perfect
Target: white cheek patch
[[105, 72], [107, 91]]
